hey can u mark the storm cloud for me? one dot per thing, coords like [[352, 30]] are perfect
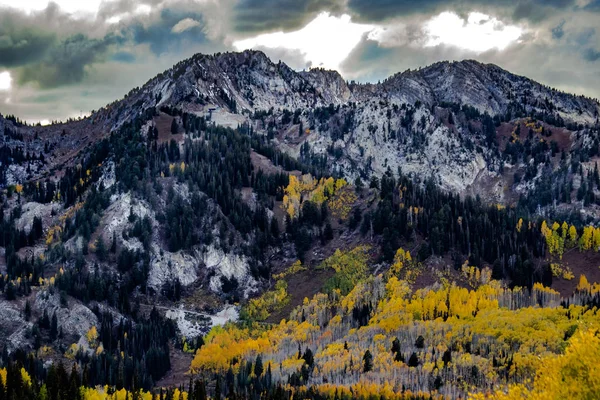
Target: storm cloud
[[258, 16]]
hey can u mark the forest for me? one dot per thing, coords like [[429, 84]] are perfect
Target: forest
[[488, 326]]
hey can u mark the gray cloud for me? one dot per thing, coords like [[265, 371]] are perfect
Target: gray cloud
[[159, 34], [21, 43], [558, 31], [591, 55], [253, 16], [381, 10], [66, 62]]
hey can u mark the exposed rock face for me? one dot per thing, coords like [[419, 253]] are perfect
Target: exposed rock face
[[229, 266], [14, 328], [256, 83], [76, 319], [233, 85], [167, 267], [32, 210]]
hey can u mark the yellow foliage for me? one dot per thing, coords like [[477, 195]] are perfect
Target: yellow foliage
[[260, 308], [317, 191], [92, 336], [476, 276], [25, 377], [224, 345], [520, 225], [293, 269], [561, 271], [72, 351], [554, 240], [585, 241], [574, 375], [572, 236]]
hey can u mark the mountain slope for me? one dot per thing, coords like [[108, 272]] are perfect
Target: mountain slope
[[201, 189]]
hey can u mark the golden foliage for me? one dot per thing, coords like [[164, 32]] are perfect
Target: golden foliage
[[573, 375], [561, 271], [92, 336], [260, 308], [317, 191], [341, 203], [293, 269]]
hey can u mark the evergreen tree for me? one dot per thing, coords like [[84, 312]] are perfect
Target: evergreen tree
[[101, 250], [367, 361], [54, 328], [258, 366]]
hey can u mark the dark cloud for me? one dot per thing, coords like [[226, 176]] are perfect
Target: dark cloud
[[254, 16], [559, 30], [20, 45], [159, 34], [66, 62], [380, 10], [591, 55]]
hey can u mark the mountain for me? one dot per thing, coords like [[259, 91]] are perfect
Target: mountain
[[232, 187], [238, 85]]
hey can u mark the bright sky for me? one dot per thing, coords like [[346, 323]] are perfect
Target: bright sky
[[71, 6], [5, 81], [478, 33], [325, 42], [328, 40]]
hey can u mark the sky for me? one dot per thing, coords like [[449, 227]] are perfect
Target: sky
[[64, 58]]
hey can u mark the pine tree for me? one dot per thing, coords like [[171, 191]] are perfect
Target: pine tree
[[101, 250], [27, 310], [113, 247], [218, 388], [10, 292], [258, 366], [54, 328], [413, 361], [367, 361]]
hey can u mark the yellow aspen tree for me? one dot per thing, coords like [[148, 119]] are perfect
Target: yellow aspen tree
[[564, 228], [572, 236], [585, 241], [583, 285], [520, 225]]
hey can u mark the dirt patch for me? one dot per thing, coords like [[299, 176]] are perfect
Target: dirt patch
[[503, 134], [581, 263], [163, 124], [180, 365], [303, 284]]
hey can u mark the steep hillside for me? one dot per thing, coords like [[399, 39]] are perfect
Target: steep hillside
[[230, 187]]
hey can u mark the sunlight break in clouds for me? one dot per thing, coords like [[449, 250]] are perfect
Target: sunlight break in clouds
[[5, 81], [325, 42], [478, 33]]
